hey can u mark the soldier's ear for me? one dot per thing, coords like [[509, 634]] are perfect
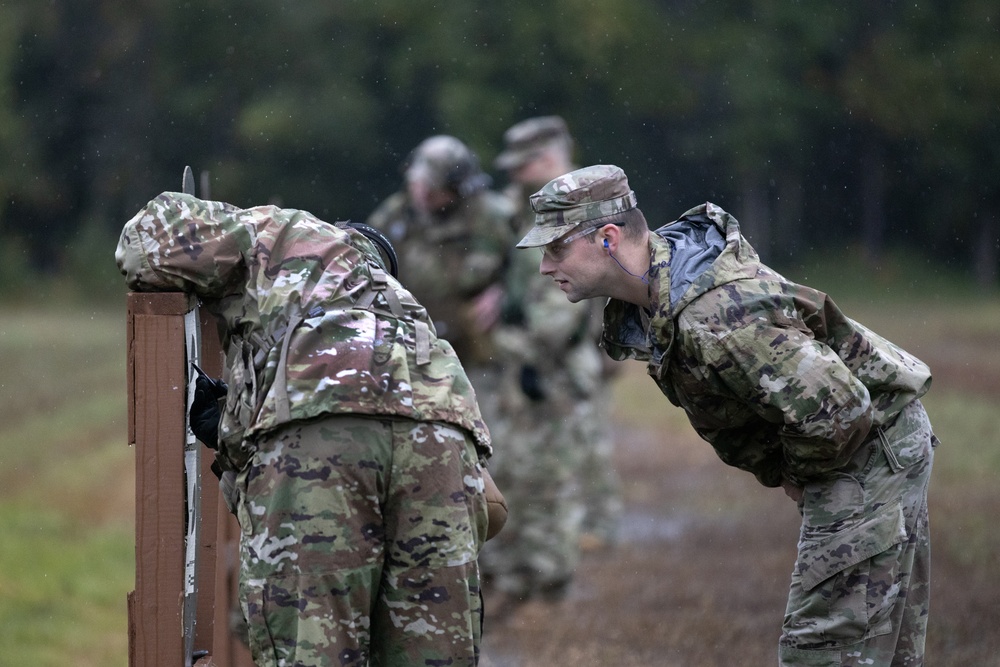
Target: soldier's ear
[[611, 234]]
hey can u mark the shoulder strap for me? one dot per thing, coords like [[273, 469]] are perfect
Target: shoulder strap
[[282, 408]]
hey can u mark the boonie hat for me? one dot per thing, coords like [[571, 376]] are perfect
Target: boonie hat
[[568, 201], [525, 140]]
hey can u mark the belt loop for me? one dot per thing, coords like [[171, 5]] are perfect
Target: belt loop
[[890, 456]]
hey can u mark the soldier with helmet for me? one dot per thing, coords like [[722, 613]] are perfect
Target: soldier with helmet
[[452, 233]]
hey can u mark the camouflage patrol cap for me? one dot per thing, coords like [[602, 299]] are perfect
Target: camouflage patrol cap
[[572, 199], [525, 140]]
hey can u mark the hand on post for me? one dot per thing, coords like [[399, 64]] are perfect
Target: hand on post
[[204, 414]]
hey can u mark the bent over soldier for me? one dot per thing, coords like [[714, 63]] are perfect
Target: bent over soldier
[[353, 429], [782, 384]]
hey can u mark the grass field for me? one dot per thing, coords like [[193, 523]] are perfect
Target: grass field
[[67, 479], [66, 488]]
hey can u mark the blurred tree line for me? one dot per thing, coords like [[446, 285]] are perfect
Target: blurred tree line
[[822, 126]]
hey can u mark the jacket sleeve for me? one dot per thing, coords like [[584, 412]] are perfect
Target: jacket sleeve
[[180, 243], [821, 413]]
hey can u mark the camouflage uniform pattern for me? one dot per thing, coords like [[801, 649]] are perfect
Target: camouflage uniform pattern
[[583, 195], [358, 538], [771, 373], [785, 386], [860, 590], [554, 464], [315, 329], [448, 258]]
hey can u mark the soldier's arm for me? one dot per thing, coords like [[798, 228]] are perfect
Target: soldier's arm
[[820, 410]]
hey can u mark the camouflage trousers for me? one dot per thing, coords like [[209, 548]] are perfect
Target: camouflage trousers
[[359, 546], [860, 588], [600, 484], [537, 463]]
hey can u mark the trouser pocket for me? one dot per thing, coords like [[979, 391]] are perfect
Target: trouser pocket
[[844, 584]]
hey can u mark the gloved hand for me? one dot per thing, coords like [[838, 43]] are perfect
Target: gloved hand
[[227, 485], [531, 383], [204, 414]]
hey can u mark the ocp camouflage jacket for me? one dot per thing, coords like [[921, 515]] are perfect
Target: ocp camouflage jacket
[[313, 325], [447, 259], [771, 373]]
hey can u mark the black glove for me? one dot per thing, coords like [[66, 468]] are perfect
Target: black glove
[[531, 383], [204, 414], [227, 485]]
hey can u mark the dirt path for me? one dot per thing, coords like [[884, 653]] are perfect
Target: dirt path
[[698, 578], [700, 575]]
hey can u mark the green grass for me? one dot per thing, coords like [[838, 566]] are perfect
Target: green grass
[[63, 584], [66, 487]]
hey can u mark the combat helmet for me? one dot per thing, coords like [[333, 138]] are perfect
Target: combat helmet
[[445, 162]]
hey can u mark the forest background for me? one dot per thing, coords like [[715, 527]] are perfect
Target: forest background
[[853, 126]]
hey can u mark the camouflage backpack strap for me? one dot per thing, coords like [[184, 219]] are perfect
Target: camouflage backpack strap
[[283, 408], [380, 287], [423, 342], [284, 334]]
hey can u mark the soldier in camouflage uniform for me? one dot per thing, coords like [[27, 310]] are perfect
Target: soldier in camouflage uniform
[[782, 384], [556, 453], [354, 430], [453, 234]]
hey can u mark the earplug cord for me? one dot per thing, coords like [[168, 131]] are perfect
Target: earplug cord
[[643, 278]]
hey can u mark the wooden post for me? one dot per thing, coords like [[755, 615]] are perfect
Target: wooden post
[[157, 395], [157, 400]]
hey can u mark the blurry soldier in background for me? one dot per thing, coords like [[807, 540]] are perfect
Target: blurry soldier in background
[[352, 428], [782, 384], [556, 445], [453, 235]]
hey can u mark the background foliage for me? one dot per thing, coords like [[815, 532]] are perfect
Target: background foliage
[[823, 126]]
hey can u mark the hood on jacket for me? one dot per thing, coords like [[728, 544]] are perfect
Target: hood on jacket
[[705, 237], [699, 251]]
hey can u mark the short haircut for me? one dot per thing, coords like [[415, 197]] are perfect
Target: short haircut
[[632, 222]]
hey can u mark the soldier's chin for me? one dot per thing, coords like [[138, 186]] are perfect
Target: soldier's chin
[[573, 296]]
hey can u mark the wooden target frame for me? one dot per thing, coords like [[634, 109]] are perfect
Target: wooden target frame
[[157, 377]]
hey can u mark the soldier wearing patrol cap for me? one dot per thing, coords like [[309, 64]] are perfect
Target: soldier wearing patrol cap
[[554, 463], [528, 142], [782, 384]]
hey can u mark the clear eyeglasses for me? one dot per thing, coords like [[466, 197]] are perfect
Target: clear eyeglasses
[[556, 250]]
